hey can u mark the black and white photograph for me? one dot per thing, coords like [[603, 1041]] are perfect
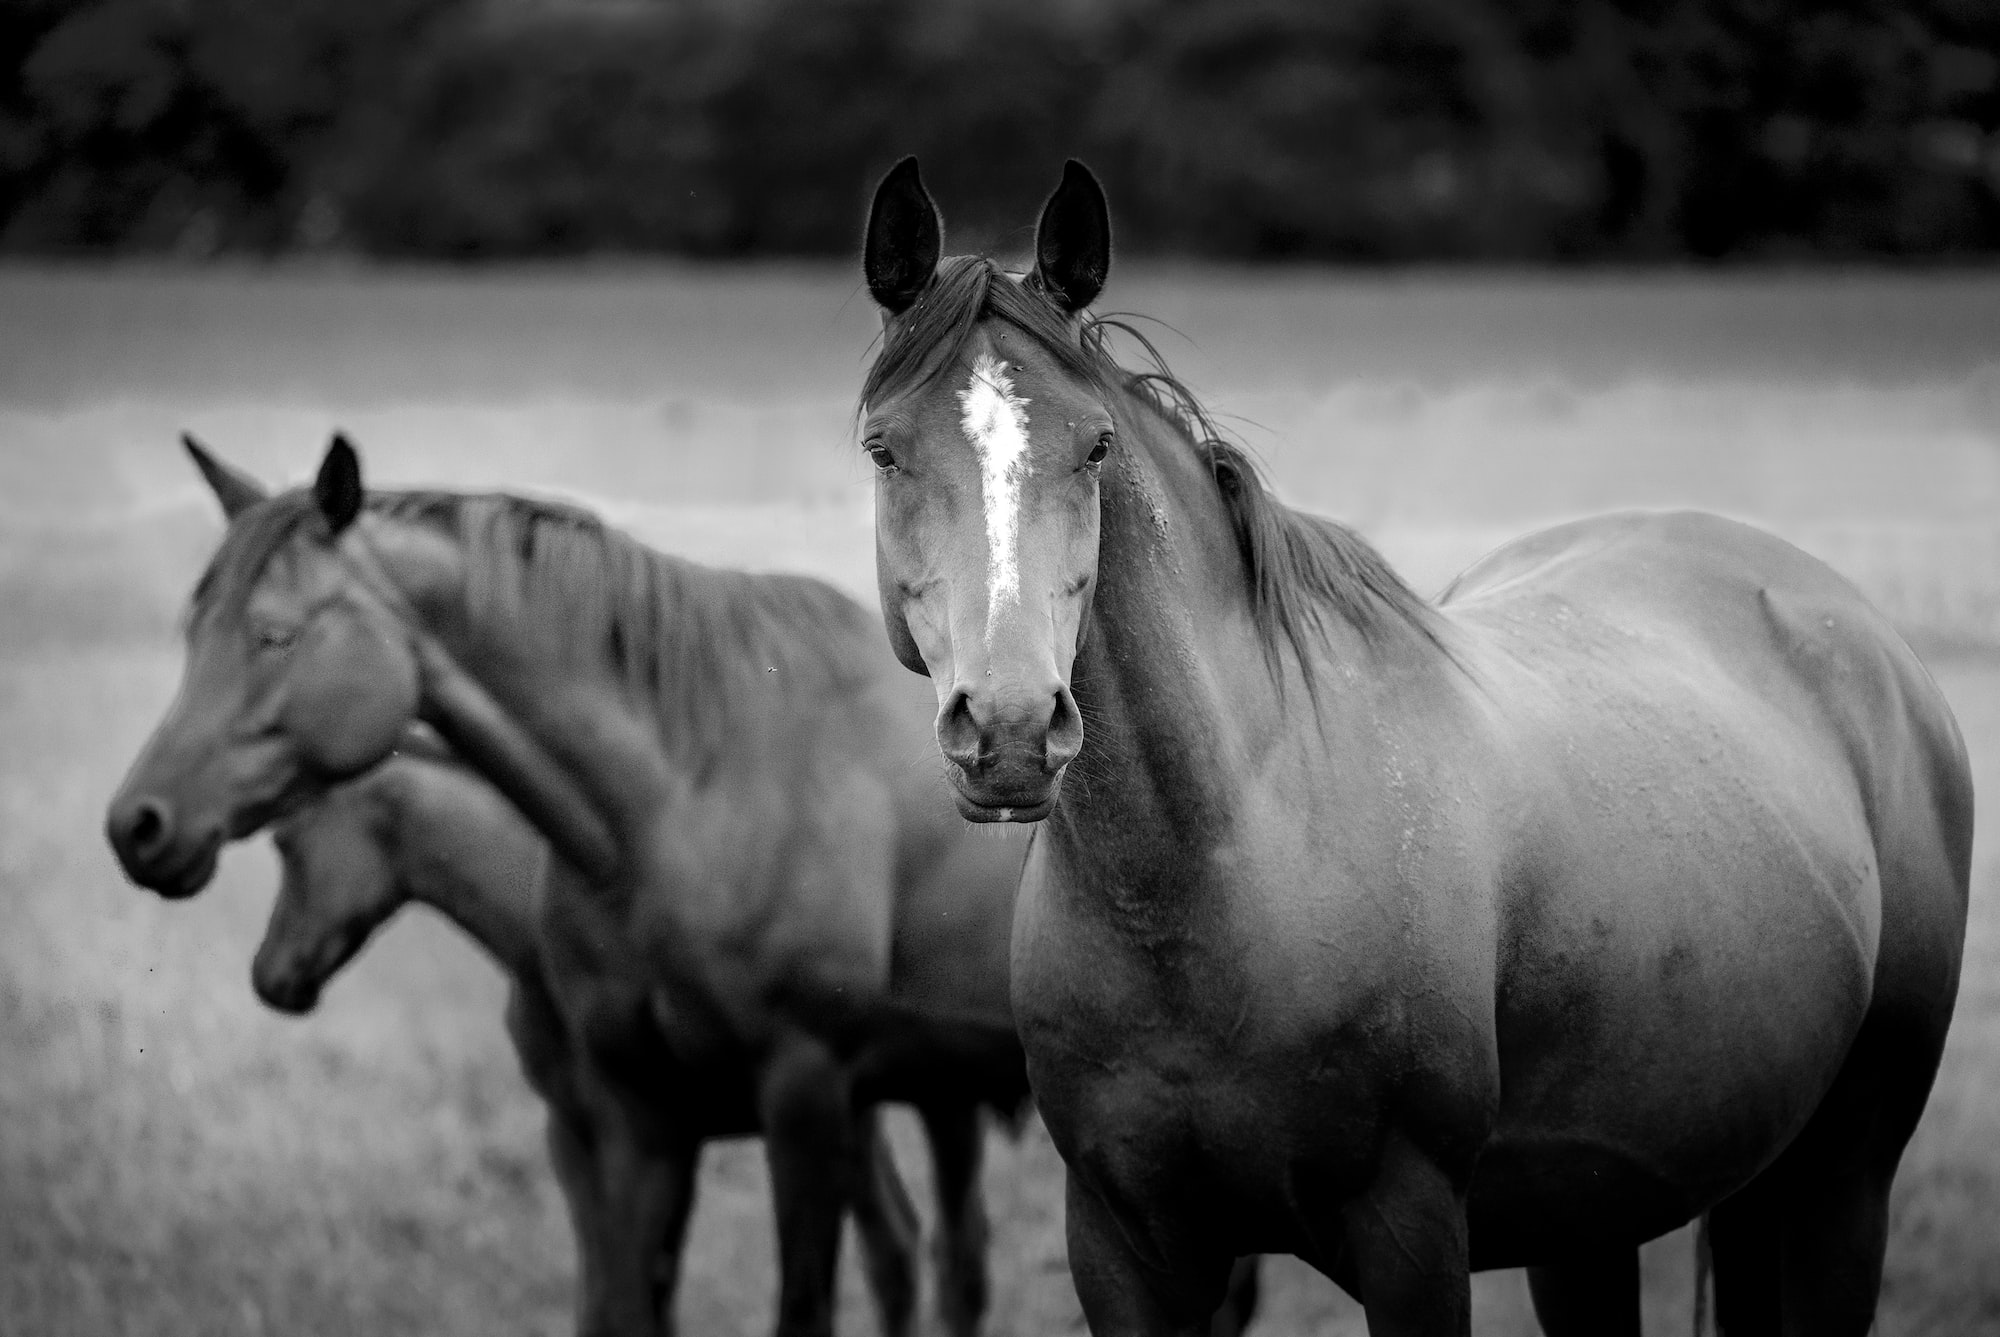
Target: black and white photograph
[[993, 668]]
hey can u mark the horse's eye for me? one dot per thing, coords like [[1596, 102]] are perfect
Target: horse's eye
[[883, 460], [1100, 450], [276, 638]]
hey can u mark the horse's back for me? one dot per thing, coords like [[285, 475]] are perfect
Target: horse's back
[[1706, 594], [1747, 830]]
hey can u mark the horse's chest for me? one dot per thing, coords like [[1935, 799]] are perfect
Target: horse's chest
[[1186, 1081], [1156, 1093], [1179, 1133]]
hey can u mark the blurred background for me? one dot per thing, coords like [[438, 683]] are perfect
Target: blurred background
[[1266, 129], [1451, 270]]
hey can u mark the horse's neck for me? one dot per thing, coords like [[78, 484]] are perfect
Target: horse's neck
[[464, 851], [1173, 680], [549, 734]]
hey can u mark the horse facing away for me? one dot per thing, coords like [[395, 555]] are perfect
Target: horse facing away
[[754, 872], [421, 827], [1624, 883]]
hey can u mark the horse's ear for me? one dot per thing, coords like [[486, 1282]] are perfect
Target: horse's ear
[[236, 490], [1073, 240], [904, 241], [338, 487]]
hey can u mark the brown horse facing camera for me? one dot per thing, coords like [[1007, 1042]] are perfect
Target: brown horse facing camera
[[1625, 882]]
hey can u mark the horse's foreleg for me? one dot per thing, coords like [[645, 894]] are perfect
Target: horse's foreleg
[[1125, 1295], [645, 1190], [675, 1204], [887, 1223], [1407, 1237], [807, 1110], [1593, 1296], [957, 1149], [574, 1159]]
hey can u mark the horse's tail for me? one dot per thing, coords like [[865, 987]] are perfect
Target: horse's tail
[[1704, 1277]]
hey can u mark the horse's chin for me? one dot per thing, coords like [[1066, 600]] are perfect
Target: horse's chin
[[189, 876], [985, 802], [291, 1002]]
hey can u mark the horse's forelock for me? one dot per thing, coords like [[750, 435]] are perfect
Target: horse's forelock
[[966, 289]]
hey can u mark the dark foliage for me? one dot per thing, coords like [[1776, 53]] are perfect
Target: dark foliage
[[1368, 129]]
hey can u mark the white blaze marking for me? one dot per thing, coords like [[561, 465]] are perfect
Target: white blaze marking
[[996, 423]]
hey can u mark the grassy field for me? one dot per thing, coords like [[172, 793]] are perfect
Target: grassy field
[[174, 1160]]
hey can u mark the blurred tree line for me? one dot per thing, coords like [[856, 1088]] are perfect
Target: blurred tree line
[[1346, 129]]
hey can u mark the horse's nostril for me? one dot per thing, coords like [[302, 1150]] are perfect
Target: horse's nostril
[[148, 830], [958, 732], [1065, 737]]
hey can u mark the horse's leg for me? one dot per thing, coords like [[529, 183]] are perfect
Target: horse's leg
[[1407, 1237], [575, 1164], [1239, 1303], [957, 1149], [1590, 1296], [807, 1110], [887, 1223], [1744, 1254], [644, 1190], [1833, 1181], [1798, 1251], [679, 1166], [1125, 1295]]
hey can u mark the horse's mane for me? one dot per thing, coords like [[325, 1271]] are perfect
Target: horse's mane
[[705, 649], [1300, 566]]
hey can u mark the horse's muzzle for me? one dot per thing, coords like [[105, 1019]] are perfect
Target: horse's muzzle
[[155, 852], [1007, 750], [292, 992]]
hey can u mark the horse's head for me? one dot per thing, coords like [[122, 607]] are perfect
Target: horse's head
[[338, 885], [298, 675], [988, 422]]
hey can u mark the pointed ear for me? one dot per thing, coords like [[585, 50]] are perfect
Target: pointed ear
[[904, 241], [1073, 240], [236, 490], [338, 487]]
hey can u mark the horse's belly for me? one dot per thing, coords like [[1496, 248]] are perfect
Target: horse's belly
[[1657, 1050]]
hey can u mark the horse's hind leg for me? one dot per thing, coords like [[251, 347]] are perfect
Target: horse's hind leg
[[1743, 1245], [1591, 1296], [887, 1223], [957, 1149], [1798, 1252], [1834, 1179]]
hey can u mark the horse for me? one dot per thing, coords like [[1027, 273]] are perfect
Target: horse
[[1623, 882], [752, 870], [421, 827]]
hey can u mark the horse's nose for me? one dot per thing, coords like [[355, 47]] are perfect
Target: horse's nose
[[141, 830], [980, 732]]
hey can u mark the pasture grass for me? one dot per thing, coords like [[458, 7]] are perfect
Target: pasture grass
[[175, 1160]]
